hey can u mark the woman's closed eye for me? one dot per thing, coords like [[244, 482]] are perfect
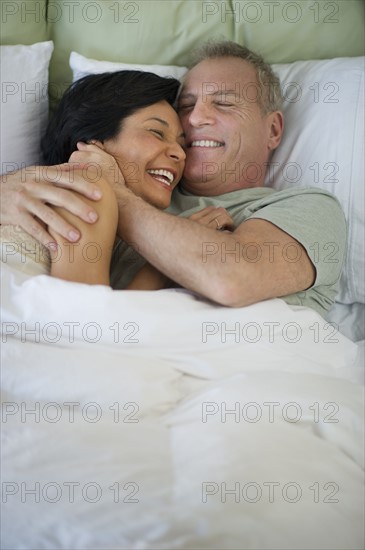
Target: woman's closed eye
[[159, 133]]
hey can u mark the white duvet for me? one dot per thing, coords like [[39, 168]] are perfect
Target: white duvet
[[157, 420]]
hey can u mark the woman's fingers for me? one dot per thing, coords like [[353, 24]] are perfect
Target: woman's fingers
[[223, 220], [213, 217], [201, 214]]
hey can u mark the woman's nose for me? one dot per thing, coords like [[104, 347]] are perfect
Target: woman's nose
[[176, 151]]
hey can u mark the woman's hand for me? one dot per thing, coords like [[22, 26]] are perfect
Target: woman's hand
[[214, 217]]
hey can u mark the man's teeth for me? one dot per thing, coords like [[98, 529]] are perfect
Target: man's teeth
[[165, 173], [206, 143]]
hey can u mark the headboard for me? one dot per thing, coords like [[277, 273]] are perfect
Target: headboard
[[165, 32]]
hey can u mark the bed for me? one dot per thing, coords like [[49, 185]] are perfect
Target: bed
[[151, 420]]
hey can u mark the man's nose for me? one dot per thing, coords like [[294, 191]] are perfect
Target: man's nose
[[201, 114]]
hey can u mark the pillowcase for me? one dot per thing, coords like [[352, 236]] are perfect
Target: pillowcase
[[323, 146], [24, 109], [82, 66]]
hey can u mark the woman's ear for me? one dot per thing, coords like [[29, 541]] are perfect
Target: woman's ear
[[98, 143]]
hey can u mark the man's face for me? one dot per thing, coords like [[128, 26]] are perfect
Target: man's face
[[228, 138]]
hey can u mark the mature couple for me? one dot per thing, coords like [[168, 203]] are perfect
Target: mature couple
[[230, 123]]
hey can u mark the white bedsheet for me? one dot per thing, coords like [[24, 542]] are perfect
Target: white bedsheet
[[163, 421]]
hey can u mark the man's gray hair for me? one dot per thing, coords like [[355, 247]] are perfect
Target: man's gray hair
[[269, 97]]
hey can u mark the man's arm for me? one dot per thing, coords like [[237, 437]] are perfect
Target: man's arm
[[150, 278], [233, 269], [221, 266]]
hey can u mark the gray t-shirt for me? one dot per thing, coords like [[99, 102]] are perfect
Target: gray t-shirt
[[311, 216]]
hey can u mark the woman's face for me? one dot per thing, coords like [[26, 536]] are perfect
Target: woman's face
[[149, 151]]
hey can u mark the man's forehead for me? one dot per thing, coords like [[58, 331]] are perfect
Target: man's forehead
[[227, 75], [213, 89]]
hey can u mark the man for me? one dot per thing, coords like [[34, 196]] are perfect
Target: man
[[230, 111]]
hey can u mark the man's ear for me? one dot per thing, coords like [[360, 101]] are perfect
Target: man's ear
[[276, 126]]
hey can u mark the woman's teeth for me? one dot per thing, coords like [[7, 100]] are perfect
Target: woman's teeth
[[164, 173]]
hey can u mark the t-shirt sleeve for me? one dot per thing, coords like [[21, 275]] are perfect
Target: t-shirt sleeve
[[315, 219]]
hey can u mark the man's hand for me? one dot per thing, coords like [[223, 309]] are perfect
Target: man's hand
[[27, 196], [94, 163]]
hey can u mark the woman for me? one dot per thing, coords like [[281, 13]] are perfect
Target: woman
[[129, 116]]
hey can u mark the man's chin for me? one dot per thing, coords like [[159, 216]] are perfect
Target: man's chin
[[195, 175], [196, 186]]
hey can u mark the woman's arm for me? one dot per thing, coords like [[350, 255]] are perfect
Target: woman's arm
[[88, 260]]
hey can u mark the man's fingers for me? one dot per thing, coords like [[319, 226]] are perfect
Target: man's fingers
[[53, 220], [68, 166], [36, 230], [65, 199], [59, 177], [49, 217], [29, 198], [55, 196]]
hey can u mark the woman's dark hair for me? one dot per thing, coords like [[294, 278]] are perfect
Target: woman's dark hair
[[94, 108]]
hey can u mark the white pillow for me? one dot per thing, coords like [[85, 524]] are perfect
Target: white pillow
[[323, 146], [82, 66], [24, 103]]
